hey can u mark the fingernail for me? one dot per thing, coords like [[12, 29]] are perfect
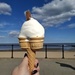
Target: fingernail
[[25, 55], [37, 65], [34, 72]]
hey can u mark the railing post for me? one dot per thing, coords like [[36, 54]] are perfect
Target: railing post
[[62, 51], [45, 51], [12, 51]]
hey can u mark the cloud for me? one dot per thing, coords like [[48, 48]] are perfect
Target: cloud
[[2, 36], [14, 33], [55, 12], [3, 24], [3, 31], [5, 9], [71, 25]]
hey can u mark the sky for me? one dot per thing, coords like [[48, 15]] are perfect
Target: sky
[[56, 16]]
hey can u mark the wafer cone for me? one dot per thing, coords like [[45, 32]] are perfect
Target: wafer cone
[[36, 43], [23, 44], [31, 59], [30, 53]]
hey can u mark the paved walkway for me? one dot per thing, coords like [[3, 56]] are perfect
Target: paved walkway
[[47, 66]]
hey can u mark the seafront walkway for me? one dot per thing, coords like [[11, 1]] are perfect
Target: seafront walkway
[[47, 66]]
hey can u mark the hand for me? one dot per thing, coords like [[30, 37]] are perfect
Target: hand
[[23, 68]]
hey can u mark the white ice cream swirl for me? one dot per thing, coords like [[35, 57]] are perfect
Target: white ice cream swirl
[[31, 29]]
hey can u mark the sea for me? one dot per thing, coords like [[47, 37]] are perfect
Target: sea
[[9, 47], [55, 47]]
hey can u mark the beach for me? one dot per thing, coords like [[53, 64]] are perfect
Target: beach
[[39, 54]]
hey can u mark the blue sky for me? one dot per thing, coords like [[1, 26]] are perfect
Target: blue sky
[[57, 17]]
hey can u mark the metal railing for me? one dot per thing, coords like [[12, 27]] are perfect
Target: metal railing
[[47, 47]]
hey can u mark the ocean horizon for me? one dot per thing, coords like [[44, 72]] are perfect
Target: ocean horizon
[[53, 46]]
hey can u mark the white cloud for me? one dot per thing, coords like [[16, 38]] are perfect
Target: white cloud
[[14, 33], [5, 9], [3, 24], [2, 36], [4, 31], [55, 12], [71, 25]]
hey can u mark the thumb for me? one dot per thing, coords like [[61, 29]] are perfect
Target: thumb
[[24, 62], [25, 59], [23, 67]]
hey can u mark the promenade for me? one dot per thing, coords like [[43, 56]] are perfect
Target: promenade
[[53, 59], [47, 66]]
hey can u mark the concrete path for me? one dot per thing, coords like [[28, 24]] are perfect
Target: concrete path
[[47, 66]]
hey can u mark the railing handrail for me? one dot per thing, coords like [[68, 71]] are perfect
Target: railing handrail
[[62, 45], [44, 44]]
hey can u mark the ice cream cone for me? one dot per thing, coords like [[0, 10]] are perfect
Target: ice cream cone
[[23, 44], [31, 28], [36, 43]]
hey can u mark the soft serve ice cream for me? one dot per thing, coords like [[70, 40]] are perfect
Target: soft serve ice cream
[[31, 29], [31, 38], [31, 34]]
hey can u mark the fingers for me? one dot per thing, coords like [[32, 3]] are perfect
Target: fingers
[[36, 65], [36, 68], [24, 65], [25, 59], [35, 72]]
